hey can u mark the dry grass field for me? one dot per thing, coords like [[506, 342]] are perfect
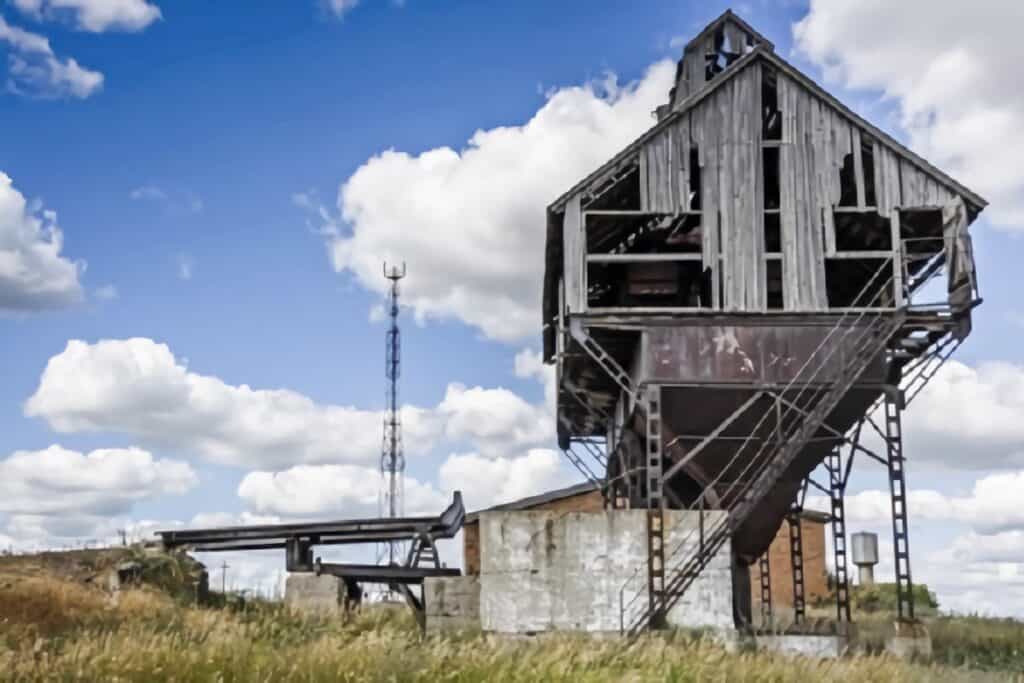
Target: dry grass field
[[57, 628]]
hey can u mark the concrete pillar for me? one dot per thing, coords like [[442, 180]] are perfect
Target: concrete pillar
[[451, 603], [308, 592]]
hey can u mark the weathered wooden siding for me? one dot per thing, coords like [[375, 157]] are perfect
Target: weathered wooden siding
[[726, 127], [814, 141]]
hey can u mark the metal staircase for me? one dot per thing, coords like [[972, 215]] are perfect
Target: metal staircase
[[859, 336]]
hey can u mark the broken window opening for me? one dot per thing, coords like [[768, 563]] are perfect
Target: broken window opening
[[772, 233], [695, 179], [847, 282], [770, 166], [862, 231], [773, 285], [847, 182], [723, 54], [644, 233], [662, 284], [921, 234], [771, 117]]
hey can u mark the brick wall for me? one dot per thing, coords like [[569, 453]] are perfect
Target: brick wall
[[591, 501], [781, 568]]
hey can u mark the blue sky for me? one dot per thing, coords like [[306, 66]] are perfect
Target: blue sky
[[199, 185]]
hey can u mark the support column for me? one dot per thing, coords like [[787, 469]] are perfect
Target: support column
[[796, 554], [765, 571], [655, 508], [898, 492], [837, 490]]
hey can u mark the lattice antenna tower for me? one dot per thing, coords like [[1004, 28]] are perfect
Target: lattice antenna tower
[[392, 459]]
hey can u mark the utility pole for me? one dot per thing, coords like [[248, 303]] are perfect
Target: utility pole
[[224, 577]]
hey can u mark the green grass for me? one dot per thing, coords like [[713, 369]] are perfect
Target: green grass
[[54, 629]]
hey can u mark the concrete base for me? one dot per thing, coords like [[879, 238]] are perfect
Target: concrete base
[[587, 571], [321, 594], [909, 640], [820, 647], [451, 603]]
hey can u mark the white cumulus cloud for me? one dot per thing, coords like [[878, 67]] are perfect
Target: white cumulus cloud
[[953, 71], [486, 481], [33, 273], [137, 387], [95, 16], [58, 481], [470, 222], [34, 70], [316, 491]]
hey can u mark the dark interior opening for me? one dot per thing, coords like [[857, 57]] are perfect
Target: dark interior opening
[[770, 163], [724, 54], [847, 282], [657, 284], [772, 233], [921, 232], [867, 153], [644, 234], [621, 193], [695, 179], [773, 284], [862, 231], [847, 183], [771, 118]]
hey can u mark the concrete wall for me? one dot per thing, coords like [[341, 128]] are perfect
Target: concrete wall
[[781, 566], [591, 501], [451, 603], [550, 570]]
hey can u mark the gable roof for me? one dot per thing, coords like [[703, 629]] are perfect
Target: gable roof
[[727, 15], [764, 53], [539, 499]]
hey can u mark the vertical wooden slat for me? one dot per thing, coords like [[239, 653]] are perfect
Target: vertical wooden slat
[[858, 167], [574, 259]]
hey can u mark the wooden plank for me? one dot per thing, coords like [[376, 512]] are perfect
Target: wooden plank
[[645, 199], [574, 246], [858, 167]]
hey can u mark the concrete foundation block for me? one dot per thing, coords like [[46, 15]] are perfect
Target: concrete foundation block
[[817, 646], [587, 571], [321, 594], [451, 603]]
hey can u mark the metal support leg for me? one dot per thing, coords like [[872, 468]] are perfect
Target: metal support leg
[[898, 491], [837, 489], [655, 508], [796, 554], [764, 565]]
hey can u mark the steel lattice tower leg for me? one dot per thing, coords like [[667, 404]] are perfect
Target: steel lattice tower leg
[[837, 488], [765, 571], [898, 491], [655, 508], [796, 553]]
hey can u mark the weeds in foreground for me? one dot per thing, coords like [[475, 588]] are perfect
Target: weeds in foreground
[[145, 636]]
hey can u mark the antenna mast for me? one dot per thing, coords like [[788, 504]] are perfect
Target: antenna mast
[[392, 460]]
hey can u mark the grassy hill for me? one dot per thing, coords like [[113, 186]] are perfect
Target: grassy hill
[[59, 626]]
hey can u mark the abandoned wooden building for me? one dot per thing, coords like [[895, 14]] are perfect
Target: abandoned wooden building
[[731, 298]]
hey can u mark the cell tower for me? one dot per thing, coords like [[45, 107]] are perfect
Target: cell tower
[[392, 460]]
